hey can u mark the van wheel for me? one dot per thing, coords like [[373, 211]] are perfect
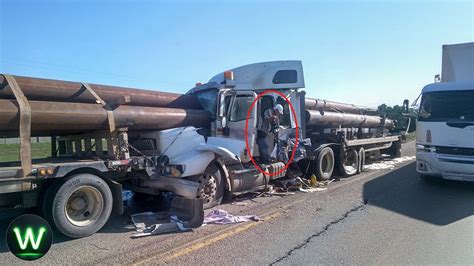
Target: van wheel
[[325, 164], [78, 206], [211, 187], [350, 163]]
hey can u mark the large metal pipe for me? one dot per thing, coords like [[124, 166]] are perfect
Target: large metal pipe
[[325, 118], [324, 105], [69, 117], [66, 91]]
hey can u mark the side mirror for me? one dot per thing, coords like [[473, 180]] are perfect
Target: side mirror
[[221, 105], [405, 106], [224, 122]]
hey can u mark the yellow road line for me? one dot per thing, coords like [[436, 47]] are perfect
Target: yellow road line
[[184, 250], [220, 237]]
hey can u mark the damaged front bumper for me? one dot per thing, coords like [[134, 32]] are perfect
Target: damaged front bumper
[[181, 187]]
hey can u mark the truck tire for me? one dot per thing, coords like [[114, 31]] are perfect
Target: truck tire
[[350, 163], [78, 206], [325, 164], [361, 160], [212, 186], [395, 151]]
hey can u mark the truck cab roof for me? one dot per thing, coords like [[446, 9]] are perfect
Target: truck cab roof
[[449, 86], [260, 76]]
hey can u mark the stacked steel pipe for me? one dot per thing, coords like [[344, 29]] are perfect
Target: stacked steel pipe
[[329, 113], [63, 106]]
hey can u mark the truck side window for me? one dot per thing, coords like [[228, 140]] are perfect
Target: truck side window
[[285, 119], [285, 76], [240, 108]]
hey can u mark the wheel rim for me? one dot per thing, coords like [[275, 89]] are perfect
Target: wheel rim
[[350, 162], [326, 164], [208, 190], [84, 206]]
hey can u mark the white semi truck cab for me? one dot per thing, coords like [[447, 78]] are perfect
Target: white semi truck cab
[[445, 126]]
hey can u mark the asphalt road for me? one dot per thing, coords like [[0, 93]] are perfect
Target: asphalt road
[[378, 217]]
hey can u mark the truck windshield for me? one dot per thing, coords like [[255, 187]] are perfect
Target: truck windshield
[[447, 106], [208, 100]]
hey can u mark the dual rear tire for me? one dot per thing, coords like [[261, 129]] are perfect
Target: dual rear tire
[[351, 163], [79, 205]]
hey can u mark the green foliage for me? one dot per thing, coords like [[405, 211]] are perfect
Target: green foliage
[[11, 152], [395, 113]]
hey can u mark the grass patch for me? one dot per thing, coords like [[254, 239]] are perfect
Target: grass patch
[[411, 136], [11, 152]]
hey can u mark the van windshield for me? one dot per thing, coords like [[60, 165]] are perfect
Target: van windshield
[[447, 106]]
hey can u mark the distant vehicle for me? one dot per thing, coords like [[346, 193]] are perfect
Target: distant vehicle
[[445, 127]]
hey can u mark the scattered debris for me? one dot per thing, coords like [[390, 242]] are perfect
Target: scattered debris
[[311, 190], [146, 224], [222, 217], [282, 194], [390, 164], [183, 215], [127, 194]]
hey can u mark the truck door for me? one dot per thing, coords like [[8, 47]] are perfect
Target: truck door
[[297, 100], [234, 107]]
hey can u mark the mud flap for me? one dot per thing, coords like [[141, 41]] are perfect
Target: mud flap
[[189, 211]]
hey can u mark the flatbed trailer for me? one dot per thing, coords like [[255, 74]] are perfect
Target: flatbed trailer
[[80, 185]]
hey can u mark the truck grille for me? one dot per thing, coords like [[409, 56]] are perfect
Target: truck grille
[[455, 151]]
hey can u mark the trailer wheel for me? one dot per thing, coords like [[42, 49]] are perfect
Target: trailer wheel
[[78, 206], [350, 163], [395, 151], [325, 164], [361, 160], [211, 188]]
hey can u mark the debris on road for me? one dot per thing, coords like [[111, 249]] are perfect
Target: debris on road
[[146, 224], [222, 217], [311, 190], [184, 215], [390, 164]]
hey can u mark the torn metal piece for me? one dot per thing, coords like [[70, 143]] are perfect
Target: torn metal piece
[[223, 217]]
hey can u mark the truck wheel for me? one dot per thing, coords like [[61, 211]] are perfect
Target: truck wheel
[[325, 164], [395, 151], [361, 160], [350, 163], [78, 206], [211, 188]]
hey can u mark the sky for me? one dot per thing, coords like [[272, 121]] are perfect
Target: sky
[[361, 52]]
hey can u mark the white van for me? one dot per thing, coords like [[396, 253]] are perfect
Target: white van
[[445, 126]]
